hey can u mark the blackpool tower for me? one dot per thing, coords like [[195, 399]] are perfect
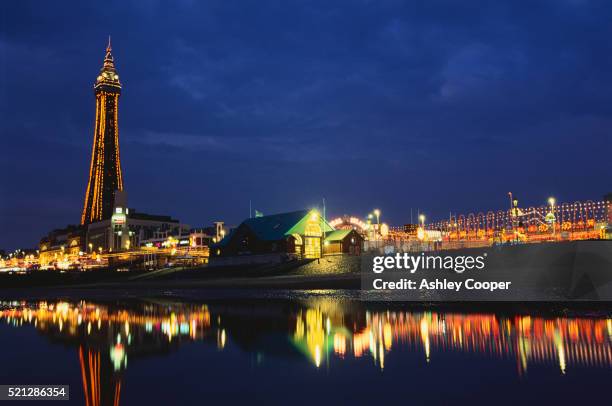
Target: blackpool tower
[[105, 169]]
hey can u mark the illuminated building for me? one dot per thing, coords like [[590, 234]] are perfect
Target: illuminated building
[[60, 244], [105, 169], [128, 229], [197, 237], [274, 238], [204, 237], [411, 229]]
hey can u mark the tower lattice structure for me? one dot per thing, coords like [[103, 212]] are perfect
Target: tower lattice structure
[[105, 175]]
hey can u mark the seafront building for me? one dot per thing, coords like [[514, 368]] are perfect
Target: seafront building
[[273, 238], [128, 229], [280, 237]]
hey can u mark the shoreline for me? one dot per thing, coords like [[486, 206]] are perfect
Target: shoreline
[[232, 296]]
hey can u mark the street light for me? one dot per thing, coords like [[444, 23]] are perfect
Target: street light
[[551, 201], [377, 214], [421, 229]]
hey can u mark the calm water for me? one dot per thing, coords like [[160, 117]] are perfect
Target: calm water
[[321, 350]]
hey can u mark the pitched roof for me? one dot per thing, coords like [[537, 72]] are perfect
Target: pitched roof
[[337, 235], [300, 227], [275, 227]]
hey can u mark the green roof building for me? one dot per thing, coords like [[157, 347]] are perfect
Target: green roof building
[[297, 234]]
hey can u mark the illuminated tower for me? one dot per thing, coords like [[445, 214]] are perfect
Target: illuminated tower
[[105, 168]]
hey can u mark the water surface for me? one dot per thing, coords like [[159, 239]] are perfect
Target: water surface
[[317, 349]]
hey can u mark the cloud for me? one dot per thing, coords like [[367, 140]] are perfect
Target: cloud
[[477, 66], [280, 149]]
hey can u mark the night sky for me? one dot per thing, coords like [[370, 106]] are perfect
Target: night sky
[[438, 105]]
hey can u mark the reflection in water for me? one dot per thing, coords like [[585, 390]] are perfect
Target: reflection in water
[[527, 339], [106, 335], [322, 329]]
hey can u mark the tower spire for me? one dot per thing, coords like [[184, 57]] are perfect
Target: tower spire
[[109, 63]]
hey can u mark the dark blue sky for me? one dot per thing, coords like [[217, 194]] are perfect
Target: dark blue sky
[[437, 105]]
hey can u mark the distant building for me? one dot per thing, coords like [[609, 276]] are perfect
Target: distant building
[[411, 229], [59, 243], [128, 229], [273, 238], [205, 237]]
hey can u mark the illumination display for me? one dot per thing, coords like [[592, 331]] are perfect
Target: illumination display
[[551, 222], [352, 221], [105, 169]]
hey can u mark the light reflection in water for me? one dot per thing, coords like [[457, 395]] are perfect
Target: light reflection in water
[[539, 340], [103, 351], [107, 335]]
